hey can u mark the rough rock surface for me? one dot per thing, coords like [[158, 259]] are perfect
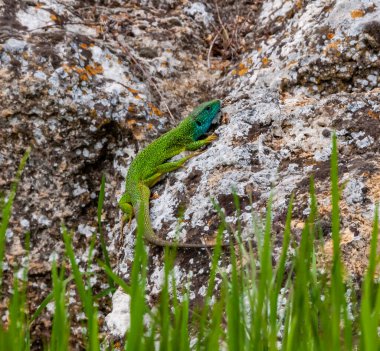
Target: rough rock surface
[[88, 84], [313, 68]]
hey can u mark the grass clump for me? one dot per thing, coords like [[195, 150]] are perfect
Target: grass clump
[[260, 305]]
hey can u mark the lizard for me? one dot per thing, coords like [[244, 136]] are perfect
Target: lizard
[[151, 163]]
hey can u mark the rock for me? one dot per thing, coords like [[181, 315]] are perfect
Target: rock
[[89, 86], [308, 78]]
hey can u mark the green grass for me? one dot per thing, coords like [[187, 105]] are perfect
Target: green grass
[[290, 305]]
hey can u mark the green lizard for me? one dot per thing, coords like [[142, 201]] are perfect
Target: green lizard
[[151, 164]]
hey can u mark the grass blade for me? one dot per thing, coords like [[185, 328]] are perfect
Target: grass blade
[[7, 210], [370, 316], [100, 230], [337, 289]]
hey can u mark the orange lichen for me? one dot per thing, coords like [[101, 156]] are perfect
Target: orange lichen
[[81, 71], [265, 60], [357, 13], [333, 46], [83, 76], [96, 68], [133, 91], [154, 110], [84, 73], [86, 46], [330, 36], [373, 115], [53, 17], [243, 69]]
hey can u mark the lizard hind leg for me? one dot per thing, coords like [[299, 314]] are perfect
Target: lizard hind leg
[[152, 180], [126, 207], [172, 166], [166, 168]]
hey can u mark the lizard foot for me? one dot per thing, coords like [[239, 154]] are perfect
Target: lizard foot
[[211, 138]]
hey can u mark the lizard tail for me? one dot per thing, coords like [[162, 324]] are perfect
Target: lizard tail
[[143, 218]]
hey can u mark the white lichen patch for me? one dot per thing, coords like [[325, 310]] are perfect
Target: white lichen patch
[[112, 69], [86, 230], [119, 320], [53, 257], [199, 12], [82, 29], [43, 220], [361, 140], [354, 191], [157, 279], [25, 223], [34, 18], [79, 190], [202, 291], [15, 45], [163, 211]]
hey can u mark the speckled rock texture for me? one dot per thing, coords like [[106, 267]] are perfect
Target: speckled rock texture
[[88, 84]]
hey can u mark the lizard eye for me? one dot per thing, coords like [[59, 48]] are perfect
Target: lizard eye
[[208, 108], [198, 123]]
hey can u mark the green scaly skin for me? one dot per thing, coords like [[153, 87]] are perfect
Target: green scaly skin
[[151, 164]]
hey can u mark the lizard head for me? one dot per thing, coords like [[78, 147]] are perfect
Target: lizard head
[[203, 115]]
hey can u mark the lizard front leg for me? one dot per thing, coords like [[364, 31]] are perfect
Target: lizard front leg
[[195, 145]]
